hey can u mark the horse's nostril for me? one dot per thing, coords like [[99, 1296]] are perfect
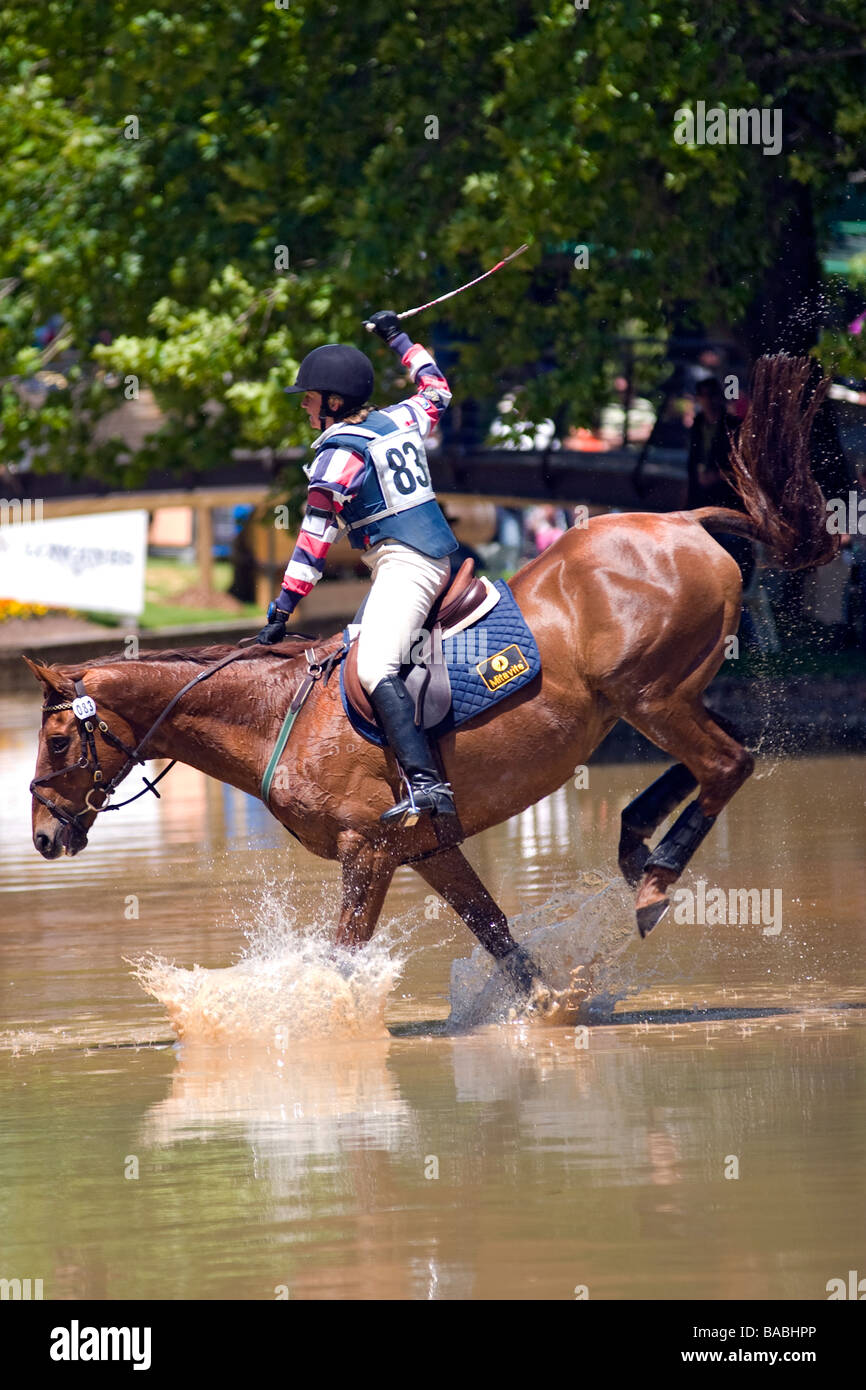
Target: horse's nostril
[[41, 841]]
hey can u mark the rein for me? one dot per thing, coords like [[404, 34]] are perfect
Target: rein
[[84, 709], [315, 671]]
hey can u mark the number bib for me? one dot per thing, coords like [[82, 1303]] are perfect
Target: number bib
[[401, 467]]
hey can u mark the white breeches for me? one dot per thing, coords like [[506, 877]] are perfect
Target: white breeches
[[405, 584]]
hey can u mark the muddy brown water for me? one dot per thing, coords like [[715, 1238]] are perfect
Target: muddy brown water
[[701, 1136]]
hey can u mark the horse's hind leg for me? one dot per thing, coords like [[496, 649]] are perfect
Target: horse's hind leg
[[645, 814], [718, 762], [454, 879]]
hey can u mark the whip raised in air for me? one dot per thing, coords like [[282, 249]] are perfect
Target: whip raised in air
[[409, 313]]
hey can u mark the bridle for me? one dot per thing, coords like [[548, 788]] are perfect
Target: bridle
[[89, 727]]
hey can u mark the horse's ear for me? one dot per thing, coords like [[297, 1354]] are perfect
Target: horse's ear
[[52, 680]]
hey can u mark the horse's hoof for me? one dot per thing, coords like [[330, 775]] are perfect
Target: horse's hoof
[[650, 916], [520, 969]]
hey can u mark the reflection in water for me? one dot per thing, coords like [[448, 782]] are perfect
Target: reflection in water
[[313, 1100], [471, 1156]]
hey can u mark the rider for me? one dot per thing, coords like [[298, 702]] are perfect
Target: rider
[[370, 470]]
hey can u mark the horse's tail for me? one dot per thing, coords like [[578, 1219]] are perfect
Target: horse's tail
[[785, 507]]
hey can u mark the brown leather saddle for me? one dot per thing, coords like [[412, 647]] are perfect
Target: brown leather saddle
[[466, 594]]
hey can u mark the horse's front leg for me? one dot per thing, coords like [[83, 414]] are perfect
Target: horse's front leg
[[367, 874], [455, 880]]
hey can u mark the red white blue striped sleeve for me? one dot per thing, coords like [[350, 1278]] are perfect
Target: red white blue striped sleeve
[[426, 408], [335, 477], [317, 534]]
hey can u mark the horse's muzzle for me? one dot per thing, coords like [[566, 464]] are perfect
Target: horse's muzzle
[[67, 839]]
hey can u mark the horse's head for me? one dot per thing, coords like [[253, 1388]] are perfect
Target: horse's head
[[79, 754]]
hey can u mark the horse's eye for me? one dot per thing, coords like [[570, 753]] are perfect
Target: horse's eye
[[59, 743]]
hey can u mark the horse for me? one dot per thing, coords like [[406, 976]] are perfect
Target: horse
[[631, 613]]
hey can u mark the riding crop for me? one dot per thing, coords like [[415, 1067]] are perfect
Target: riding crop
[[409, 313]]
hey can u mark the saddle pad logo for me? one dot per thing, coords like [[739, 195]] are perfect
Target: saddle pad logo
[[503, 667]]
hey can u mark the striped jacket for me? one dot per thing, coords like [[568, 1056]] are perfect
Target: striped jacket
[[336, 474]]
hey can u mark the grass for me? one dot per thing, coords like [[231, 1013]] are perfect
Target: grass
[[171, 599]]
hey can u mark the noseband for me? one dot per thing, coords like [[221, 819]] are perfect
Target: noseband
[[89, 727]]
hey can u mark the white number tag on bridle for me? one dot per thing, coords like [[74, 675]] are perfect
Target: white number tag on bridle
[[83, 707]]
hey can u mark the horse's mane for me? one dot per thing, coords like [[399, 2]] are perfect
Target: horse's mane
[[290, 647]]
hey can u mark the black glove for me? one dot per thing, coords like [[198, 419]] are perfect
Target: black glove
[[276, 627], [386, 324]]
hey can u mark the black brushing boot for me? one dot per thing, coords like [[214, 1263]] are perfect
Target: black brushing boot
[[427, 793]]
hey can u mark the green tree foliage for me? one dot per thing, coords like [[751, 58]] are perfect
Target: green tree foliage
[[394, 152]]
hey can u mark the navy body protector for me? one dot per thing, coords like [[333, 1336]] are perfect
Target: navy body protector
[[396, 498]]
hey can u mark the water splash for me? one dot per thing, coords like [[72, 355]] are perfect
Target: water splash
[[578, 939], [290, 984]]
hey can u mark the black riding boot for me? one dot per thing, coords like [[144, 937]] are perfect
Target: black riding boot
[[428, 794]]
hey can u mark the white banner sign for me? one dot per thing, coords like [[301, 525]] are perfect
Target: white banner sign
[[91, 563]]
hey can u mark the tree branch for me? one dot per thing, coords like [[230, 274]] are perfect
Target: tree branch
[[821, 55], [829, 21]]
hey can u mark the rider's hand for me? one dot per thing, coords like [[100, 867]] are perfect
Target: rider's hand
[[275, 630], [386, 324]]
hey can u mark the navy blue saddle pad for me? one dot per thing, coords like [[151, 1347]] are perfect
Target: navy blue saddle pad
[[487, 662]]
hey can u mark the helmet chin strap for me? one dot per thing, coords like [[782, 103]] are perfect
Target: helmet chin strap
[[323, 419]]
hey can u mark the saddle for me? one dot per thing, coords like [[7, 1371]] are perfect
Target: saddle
[[468, 598]]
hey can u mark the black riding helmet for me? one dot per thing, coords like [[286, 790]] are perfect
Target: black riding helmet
[[339, 370]]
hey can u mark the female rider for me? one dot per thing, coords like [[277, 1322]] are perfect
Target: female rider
[[369, 470]]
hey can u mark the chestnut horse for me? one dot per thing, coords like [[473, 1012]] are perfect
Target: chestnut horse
[[631, 614]]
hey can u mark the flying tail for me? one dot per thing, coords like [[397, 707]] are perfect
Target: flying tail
[[771, 468]]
